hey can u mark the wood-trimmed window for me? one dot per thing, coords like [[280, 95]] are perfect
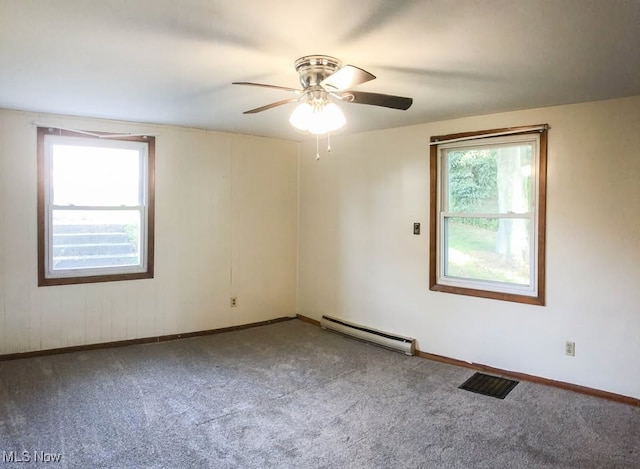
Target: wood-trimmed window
[[488, 209], [95, 207]]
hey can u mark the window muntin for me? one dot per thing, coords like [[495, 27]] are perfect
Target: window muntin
[[95, 208], [487, 231]]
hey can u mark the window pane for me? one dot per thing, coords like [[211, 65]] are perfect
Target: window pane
[[490, 180], [86, 175], [95, 239], [490, 249]]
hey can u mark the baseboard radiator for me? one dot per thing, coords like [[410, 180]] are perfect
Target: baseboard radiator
[[398, 343]]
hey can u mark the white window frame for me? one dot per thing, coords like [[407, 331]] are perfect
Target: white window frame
[[439, 281], [48, 138]]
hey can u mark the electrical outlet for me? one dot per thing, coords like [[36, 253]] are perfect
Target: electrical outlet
[[234, 301], [570, 349]]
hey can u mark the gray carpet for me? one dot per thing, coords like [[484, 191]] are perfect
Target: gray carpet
[[292, 395]]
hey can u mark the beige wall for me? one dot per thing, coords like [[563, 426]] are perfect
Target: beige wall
[[226, 215], [359, 260]]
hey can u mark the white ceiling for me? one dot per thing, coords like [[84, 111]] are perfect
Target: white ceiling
[[172, 62]]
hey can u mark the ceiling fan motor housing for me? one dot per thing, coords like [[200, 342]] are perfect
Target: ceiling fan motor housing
[[315, 68]]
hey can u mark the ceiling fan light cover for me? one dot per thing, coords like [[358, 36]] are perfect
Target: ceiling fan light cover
[[301, 116], [317, 119]]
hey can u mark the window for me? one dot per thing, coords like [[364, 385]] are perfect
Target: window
[[488, 214], [95, 207]]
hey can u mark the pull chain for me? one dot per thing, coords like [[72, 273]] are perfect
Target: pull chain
[[317, 147], [328, 142]]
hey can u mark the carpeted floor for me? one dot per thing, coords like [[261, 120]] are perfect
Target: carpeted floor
[[292, 395]]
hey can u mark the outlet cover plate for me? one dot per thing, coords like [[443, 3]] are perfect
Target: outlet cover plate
[[570, 349]]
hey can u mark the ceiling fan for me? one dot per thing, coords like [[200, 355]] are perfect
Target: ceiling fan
[[322, 78]]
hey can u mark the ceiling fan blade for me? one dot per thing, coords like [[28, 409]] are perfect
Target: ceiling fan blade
[[346, 77], [266, 86], [377, 99], [270, 106]]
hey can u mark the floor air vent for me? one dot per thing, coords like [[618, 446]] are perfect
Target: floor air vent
[[399, 343], [489, 385]]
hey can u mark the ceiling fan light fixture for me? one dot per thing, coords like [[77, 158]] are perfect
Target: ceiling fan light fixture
[[318, 117], [321, 77], [301, 116]]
